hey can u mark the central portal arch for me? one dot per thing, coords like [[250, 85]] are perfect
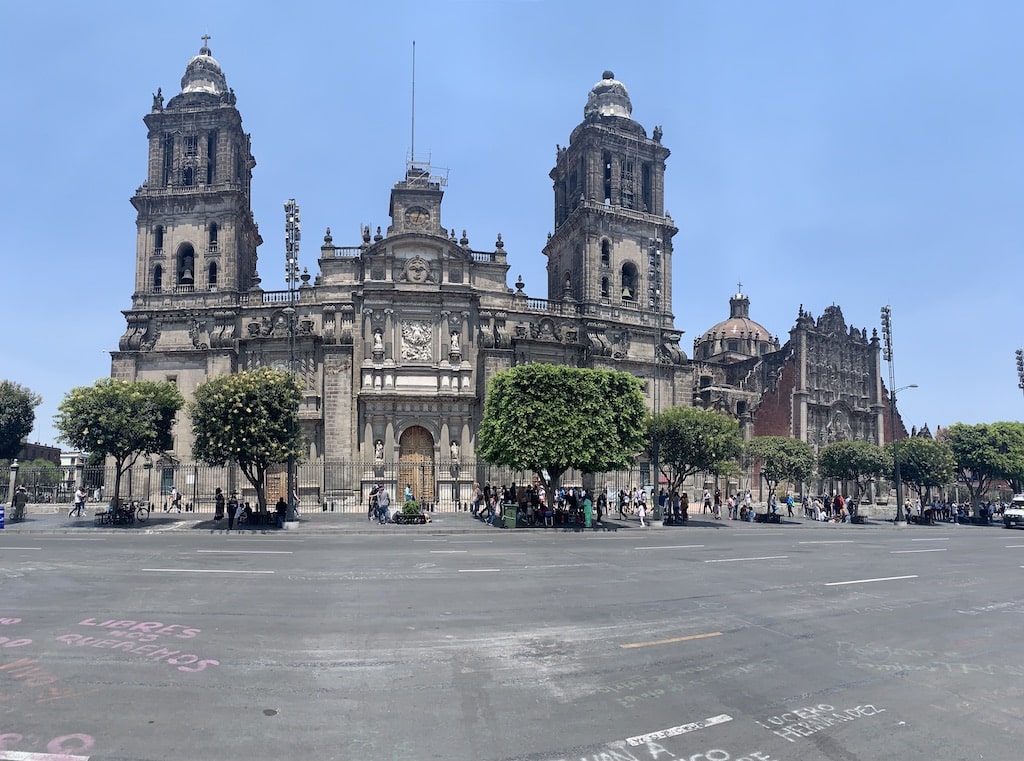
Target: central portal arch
[[416, 463]]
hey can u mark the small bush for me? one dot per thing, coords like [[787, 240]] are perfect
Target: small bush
[[412, 507]]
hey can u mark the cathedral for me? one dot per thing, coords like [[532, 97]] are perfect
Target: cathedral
[[396, 334]]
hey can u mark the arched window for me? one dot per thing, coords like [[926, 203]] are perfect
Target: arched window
[[158, 278], [213, 236], [158, 238], [604, 287], [629, 282], [186, 265], [188, 177], [606, 251], [211, 275]]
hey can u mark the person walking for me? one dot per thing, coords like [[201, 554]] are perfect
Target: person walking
[[78, 503], [588, 509], [641, 510], [232, 509]]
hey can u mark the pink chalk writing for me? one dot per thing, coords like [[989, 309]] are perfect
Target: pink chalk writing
[[187, 662]]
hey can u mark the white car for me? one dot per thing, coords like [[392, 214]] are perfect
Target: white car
[[1014, 514]]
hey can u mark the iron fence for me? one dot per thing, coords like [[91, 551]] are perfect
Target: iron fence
[[323, 486]]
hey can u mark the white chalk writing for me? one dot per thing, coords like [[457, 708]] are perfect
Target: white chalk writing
[[798, 723], [679, 730]]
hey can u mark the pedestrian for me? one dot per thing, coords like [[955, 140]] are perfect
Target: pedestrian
[[384, 505], [78, 503], [641, 509], [19, 503], [218, 505], [407, 495], [588, 509], [280, 510], [602, 506], [682, 508], [477, 499], [371, 504], [707, 502], [232, 509], [789, 505]]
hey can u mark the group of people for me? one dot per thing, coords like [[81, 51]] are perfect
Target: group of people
[[241, 512], [533, 508]]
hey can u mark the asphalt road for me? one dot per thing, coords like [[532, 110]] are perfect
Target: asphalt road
[[713, 642]]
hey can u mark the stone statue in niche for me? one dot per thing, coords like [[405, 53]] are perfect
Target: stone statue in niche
[[455, 451], [378, 451], [455, 348], [378, 340]]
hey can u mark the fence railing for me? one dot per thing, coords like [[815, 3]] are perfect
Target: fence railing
[[333, 486]]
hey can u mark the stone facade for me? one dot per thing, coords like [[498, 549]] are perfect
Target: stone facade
[[397, 334]]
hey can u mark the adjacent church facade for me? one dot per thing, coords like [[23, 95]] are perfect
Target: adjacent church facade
[[396, 334]]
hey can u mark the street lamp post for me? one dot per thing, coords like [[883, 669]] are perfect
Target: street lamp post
[[292, 236], [1020, 369], [654, 304], [887, 355]]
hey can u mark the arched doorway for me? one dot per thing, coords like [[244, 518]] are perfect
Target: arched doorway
[[416, 463]]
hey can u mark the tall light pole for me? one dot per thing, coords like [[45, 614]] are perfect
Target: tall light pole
[[887, 355], [292, 235], [1020, 369], [654, 304]]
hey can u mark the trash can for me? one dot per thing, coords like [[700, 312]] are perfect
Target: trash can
[[510, 514], [2, 508]]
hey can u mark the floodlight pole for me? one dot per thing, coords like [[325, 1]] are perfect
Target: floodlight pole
[[292, 236]]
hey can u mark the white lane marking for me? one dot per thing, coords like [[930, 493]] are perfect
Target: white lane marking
[[201, 570], [736, 560], [554, 565], [868, 581], [682, 729], [473, 541], [23, 548], [430, 540], [904, 552], [937, 539], [20, 755], [830, 541], [670, 547], [479, 570], [72, 539], [249, 552], [1011, 546], [448, 552]]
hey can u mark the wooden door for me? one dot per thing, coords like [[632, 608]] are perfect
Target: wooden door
[[416, 464]]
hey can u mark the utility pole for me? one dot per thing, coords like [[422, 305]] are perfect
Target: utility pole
[[292, 235]]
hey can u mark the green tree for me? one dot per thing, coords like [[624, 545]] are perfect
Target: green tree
[[783, 460], [17, 417], [249, 418], [691, 440], [925, 464], [123, 420], [986, 453], [549, 418], [855, 461]]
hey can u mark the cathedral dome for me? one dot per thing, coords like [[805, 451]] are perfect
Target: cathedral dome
[[608, 98], [203, 74], [737, 337]]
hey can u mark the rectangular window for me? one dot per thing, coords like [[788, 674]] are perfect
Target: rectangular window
[[168, 158], [211, 157], [191, 145]]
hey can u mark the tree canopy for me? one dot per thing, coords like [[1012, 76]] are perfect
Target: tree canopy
[[855, 461], [17, 417], [119, 419], [541, 417], [987, 452], [782, 459], [692, 440], [249, 418], [924, 464]]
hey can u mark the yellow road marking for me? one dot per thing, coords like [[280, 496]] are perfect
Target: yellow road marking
[[633, 645]]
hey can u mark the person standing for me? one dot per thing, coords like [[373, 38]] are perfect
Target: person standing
[[19, 503], [707, 502], [602, 505], [683, 508], [641, 509], [218, 505], [588, 509], [372, 505], [280, 510], [384, 505], [232, 509]]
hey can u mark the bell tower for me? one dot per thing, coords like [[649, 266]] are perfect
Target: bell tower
[[612, 243], [195, 228]]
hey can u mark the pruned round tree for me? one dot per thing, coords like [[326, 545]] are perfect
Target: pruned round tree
[[855, 461], [250, 419], [547, 418], [782, 459], [17, 416], [123, 420], [693, 440]]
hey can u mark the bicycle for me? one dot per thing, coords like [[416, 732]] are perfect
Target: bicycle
[[142, 510]]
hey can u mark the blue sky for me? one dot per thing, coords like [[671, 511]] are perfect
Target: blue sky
[[858, 154]]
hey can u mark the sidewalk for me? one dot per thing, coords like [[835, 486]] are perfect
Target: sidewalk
[[54, 519]]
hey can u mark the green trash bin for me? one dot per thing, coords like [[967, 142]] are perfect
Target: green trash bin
[[510, 514]]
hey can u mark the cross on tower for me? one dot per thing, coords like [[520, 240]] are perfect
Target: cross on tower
[[739, 287], [206, 39]]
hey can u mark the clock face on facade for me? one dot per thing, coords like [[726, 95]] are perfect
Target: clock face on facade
[[417, 216]]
